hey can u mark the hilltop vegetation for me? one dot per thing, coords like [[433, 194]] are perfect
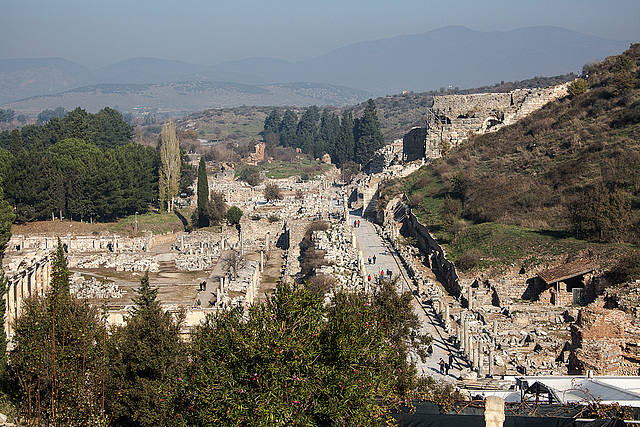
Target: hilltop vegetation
[[82, 166], [570, 169], [396, 113]]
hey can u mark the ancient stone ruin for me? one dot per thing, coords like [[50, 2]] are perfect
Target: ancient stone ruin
[[454, 118]]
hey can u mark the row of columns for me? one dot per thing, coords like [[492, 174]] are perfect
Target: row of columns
[[473, 348], [32, 281]]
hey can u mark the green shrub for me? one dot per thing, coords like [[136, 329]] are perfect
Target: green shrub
[[577, 87]]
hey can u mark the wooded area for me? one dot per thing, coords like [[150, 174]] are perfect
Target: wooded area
[[82, 167], [345, 139]]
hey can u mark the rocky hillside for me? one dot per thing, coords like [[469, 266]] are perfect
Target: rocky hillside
[[569, 170]]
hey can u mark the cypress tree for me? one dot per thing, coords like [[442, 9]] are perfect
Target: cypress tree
[[344, 147], [203, 194], [60, 274]]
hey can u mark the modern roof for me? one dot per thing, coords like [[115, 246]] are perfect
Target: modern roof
[[567, 271], [584, 390]]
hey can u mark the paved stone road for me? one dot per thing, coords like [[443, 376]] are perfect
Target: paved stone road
[[371, 244]]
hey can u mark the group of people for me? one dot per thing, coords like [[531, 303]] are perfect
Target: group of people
[[372, 259], [356, 223], [382, 273], [444, 366]]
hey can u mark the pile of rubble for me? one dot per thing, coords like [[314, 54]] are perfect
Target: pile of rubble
[[340, 254], [90, 288], [118, 262]]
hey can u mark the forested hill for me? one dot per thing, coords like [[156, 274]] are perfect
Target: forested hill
[[573, 166], [82, 166]]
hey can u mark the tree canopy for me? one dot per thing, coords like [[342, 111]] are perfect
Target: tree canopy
[[342, 138], [82, 166]]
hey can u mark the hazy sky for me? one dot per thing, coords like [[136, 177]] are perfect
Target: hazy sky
[[98, 33]]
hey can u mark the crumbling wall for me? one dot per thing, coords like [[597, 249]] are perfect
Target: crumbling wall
[[413, 144], [597, 338], [454, 118], [443, 268]]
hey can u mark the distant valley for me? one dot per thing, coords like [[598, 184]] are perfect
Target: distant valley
[[455, 56], [183, 98]]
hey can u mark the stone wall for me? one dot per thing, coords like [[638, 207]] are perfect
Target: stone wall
[[596, 341], [386, 156], [443, 268], [413, 144], [454, 118], [101, 243]]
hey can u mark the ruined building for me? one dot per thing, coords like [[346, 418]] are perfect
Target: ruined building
[[454, 118]]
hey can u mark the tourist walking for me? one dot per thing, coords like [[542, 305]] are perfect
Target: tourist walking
[[441, 363], [374, 259]]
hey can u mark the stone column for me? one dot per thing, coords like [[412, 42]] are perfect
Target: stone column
[[446, 317], [261, 260], [495, 328], [10, 307], [493, 411], [470, 297], [491, 363], [468, 342], [474, 354], [267, 241], [464, 333], [480, 361]]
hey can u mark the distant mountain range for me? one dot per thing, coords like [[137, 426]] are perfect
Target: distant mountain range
[[455, 56]]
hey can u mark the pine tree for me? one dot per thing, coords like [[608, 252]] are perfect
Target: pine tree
[[16, 146], [203, 194], [170, 165], [79, 119], [6, 219], [58, 356], [148, 359], [271, 123], [307, 130], [288, 129], [327, 134], [367, 134], [146, 298]]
